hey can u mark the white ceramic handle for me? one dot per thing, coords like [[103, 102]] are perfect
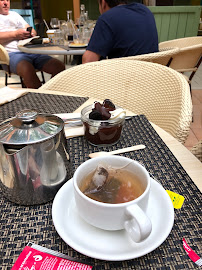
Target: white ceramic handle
[[139, 225]]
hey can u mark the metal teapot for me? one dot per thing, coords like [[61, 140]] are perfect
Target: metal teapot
[[34, 162]]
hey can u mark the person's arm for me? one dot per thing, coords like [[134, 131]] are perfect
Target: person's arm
[[100, 42], [6, 37], [90, 56]]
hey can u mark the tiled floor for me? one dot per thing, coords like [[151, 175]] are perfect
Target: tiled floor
[[195, 133], [196, 126]]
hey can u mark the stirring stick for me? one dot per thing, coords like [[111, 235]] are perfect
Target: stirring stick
[[118, 151], [46, 24]]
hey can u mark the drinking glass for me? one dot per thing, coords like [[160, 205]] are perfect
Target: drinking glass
[[64, 30], [86, 35], [59, 38], [77, 37], [55, 23]]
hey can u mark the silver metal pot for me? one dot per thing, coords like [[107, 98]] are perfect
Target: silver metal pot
[[34, 162]]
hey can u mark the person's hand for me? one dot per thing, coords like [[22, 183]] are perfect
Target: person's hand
[[33, 34], [22, 34]]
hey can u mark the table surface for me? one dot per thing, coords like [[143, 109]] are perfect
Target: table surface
[[21, 224], [52, 50]]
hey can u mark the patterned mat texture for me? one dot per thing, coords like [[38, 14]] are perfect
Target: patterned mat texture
[[43, 103], [20, 224]]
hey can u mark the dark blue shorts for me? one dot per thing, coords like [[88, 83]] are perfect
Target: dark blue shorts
[[37, 60]]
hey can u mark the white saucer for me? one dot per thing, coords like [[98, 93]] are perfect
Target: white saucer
[[107, 245]]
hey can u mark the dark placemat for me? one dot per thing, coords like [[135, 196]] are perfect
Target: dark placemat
[[45, 45], [20, 224], [43, 103], [162, 165]]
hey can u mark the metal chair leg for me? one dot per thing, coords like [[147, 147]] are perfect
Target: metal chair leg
[[6, 79], [197, 66], [22, 83], [43, 79], [191, 98], [65, 59]]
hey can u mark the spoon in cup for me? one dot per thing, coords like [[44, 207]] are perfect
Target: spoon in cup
[[119, 151]]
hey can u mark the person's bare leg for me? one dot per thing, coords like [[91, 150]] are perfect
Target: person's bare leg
[[28, 74], [53, 67]]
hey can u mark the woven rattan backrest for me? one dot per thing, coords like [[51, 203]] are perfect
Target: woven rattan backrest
[[187, 59], [189, 55], [181, 42], [161, 93], [163, 57], [4, 57]]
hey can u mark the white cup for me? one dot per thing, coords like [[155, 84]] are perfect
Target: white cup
[[51, 35], [130, 216]]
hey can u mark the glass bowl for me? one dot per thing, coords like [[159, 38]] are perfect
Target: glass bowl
[[101, 132]]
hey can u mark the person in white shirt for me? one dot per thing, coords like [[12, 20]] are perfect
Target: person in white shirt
[[12, 29]]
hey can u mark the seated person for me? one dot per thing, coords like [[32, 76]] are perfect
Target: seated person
[[122, 30], [12, 29]]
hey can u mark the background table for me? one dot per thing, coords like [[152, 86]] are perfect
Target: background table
[[51, 50]]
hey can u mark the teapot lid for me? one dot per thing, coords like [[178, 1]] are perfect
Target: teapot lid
[[29, 127]]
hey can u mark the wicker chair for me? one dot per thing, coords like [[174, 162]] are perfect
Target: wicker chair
[[5, 60], [163, 57], [161, 93], [197, 150], [189, 57]]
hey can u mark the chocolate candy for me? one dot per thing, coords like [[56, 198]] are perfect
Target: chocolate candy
[[102, 111]]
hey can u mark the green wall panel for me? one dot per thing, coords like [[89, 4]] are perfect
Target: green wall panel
[[174, 18], [176, 21], [165, 26]]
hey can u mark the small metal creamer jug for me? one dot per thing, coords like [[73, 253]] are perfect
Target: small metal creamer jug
[[34, 162]]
